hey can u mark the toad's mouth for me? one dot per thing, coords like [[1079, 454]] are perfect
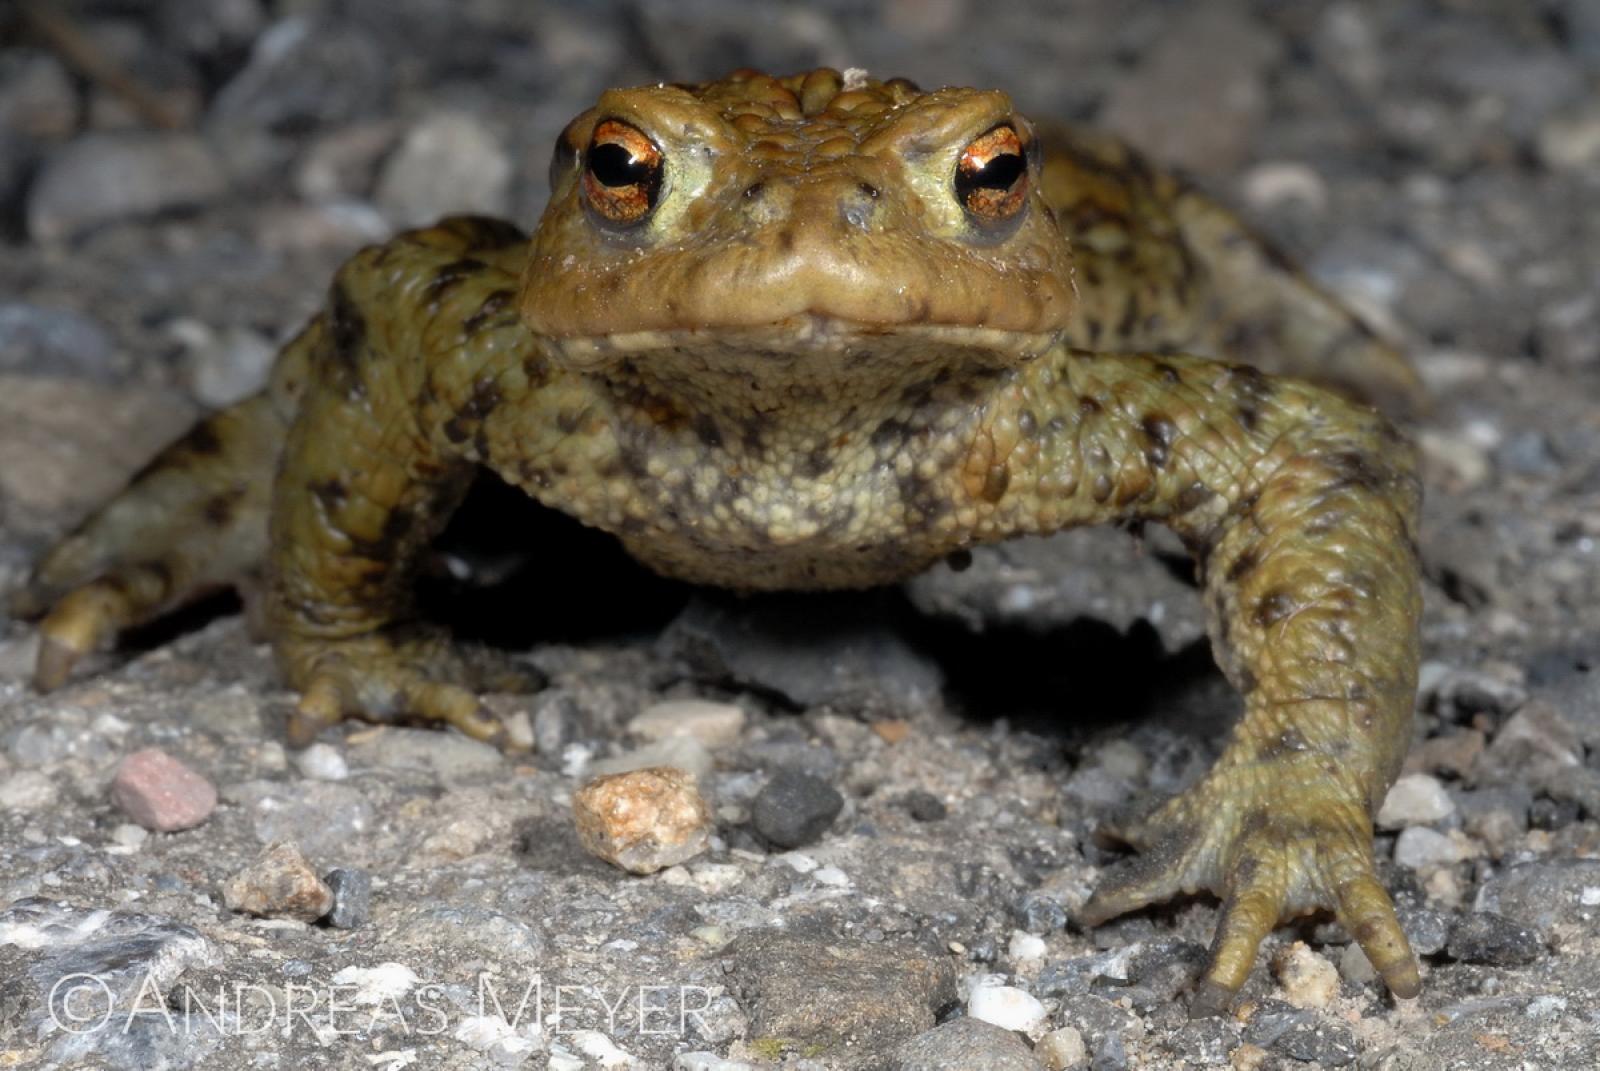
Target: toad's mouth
[[809, 347]]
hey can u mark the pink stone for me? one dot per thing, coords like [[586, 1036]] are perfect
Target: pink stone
[[161, 793]]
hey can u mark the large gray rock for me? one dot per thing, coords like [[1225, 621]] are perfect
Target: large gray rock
[[102, 178], [963, 1045], [826, 993]]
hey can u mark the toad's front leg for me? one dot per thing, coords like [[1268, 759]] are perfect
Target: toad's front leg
[[1301, 512], [418, 345]]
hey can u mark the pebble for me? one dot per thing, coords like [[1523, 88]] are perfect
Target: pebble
[[27, 790], [1452, 752], [382, 985], [305, 72], [1544, 894], [101, 178], [1271, 185], [322, 762], [795, 808], [449, 162], [1485, 937], [224, 366], [120, 958], [1037, 913], [965, 1045], [1006, 1006], [1461, 693], [1300, 1035], [1425, 929], [680, 752], [340, 164], [161, 793], [1420, 848], [279, 883], [1571, 142], [1415, 800], [605, 1053], [643, 820], [46, 341], [1308, 979], [1025, 947], [450, 757], [1538, 733], [1062, 1049], [713, 724], [130, 836], [925, 806], [555, 721], [352, 897], [67, 444], [1111, 1054], [1355, 967]]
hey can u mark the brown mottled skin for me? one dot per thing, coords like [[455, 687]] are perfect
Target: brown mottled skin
[[805, 356]]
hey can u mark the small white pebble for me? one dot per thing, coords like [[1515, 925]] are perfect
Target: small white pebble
[[322, 762], [27, 790], [713, 724], [519, 730], [1308, 979], [1062, 1049], [575, 759], [831, 875], [109, 725], [1548, 1006], [600, 1048], [1007, 1007], [717, 878], [129, 835], [1415, 800], [1276, 182], [799, 862], [385, 983], [1419, 848], [1590, 897], [1026, 947]]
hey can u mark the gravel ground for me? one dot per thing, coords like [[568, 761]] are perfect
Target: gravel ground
[[903, 787]]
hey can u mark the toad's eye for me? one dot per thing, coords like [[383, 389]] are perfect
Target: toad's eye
[[992, 176], [622, 173]]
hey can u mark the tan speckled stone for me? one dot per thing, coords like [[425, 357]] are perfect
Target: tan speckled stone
[[644, 820]]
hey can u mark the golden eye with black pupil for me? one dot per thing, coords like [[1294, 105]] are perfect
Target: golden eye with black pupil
[[621, 173], [992, 176]]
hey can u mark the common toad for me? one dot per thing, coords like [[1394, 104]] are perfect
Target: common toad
[[821, 332]]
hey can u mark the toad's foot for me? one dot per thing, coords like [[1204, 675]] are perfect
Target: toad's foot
[[399, 675], [1274, 839]]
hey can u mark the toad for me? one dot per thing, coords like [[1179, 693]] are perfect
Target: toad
[[824, 331]]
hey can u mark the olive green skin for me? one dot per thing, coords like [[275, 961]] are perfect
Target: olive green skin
[[809, 366]]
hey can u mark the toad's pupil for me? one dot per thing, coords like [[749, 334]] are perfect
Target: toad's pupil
[[614, 165], [997, 173]]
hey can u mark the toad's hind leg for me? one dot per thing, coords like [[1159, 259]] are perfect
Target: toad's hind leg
[[195, 519], [1162, 266]]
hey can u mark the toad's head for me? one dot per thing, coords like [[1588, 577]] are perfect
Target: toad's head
[[762, 238]]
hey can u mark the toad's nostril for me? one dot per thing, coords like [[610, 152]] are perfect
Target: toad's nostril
[[856, 206], [755, 190]]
